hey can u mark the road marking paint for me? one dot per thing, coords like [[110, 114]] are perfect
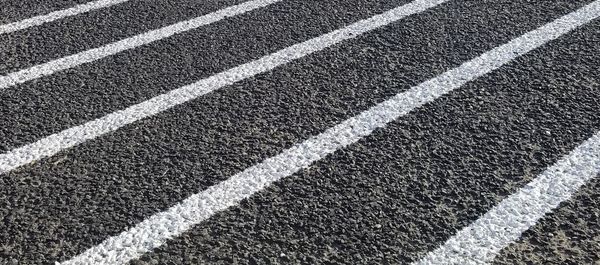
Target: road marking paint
[[480, 242], [56, 15], [68, 138], [157, 229], [110, 49]]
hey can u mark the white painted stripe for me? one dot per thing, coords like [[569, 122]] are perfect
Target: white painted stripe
[[56, 15], [480, 242], [55, 143], [154, 231], [91, 55]]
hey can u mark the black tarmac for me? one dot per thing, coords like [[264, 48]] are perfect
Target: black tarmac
[[390, 198]]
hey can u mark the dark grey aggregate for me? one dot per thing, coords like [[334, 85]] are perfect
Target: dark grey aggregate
[[71, 35], [569, 235], [60, 206], [13, 10], [90, 91], [403, 191]]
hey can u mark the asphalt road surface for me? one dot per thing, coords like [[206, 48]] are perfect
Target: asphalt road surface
[[299, 132]]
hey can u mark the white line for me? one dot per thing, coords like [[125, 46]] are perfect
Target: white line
[[56, 15], [481, 241], [91, 55], [55, 143], [160, 227]]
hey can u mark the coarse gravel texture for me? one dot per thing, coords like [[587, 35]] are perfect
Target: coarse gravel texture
[[390, 198], [569, 235], [111, 183], [53, 40], [113, 83], [406, 189], [13, 11]]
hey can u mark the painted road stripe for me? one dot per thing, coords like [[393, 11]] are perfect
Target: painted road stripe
[[91, 55], [480, 242], [56, 15], [154, 231], [55, 143]]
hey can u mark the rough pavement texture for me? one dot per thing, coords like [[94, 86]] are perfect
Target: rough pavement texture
[[12, 11], [94, 90], [35, 45], [403, 191], [569, 235], [392, 197]]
